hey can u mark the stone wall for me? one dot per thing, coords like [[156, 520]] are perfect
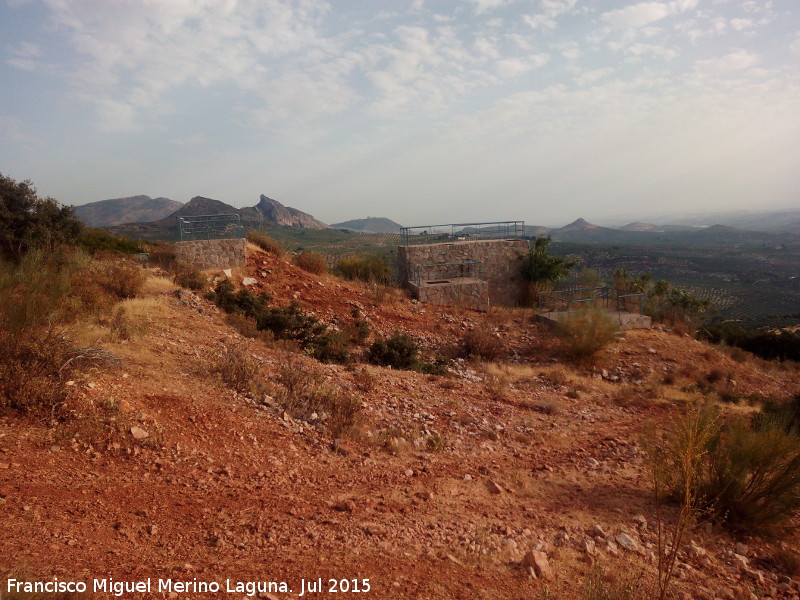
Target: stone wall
[[212, 254], [502, 260], [465, 292]]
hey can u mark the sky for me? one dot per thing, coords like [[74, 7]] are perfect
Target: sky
[[422, 111]]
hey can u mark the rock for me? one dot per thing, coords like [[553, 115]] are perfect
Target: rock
[[695, 550], [589, 547], [641, 521], [537, 561], [597, 531], [467, 477], [493, 487], [740, 562], [138, 433], [152, 529], [742, 549], [754, 575], [228, 273], [624, 540], [592, 463], [345, 506], [249, 281], [561, 538]]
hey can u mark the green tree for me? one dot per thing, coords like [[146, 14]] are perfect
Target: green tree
[[543, 266], [27, 221]]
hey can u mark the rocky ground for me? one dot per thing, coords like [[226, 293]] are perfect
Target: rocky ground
[[519, 478]]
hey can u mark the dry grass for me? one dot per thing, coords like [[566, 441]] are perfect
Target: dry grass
[[237, 369], [313, 262], [263, 242], [157, 285]]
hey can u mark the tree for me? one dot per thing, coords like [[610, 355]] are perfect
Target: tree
[[27, 221], [543, 266]]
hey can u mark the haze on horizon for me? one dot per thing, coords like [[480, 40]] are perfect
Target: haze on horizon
[[420, 111]]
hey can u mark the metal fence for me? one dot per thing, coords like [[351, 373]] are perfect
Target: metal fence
[[452, 232], [595, 297], [441, 272], [210, 227]]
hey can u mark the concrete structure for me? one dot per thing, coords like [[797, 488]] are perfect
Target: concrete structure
[[496, 263], [212, 254], [465, 292], [624, 320]]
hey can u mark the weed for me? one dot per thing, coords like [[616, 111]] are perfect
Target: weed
[[436, 442], [620, 584], [122, 279], [481, 342], [364, 381], [585, 333], [313, 262], [190, 278], [236, 369], [788, 561], [123, 328], [370, 269], [266, 243], [551, 406]]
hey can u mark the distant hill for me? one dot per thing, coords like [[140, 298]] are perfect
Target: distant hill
[[640, 226], [778, 221], [125, 210], [267, 212], [271, 211], [369, 225]]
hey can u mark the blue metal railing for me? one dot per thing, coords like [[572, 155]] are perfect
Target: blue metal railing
[[210, 227], [452, 232]]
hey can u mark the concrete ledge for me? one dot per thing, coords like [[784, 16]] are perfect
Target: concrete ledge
[[464, 292], [624, 320]]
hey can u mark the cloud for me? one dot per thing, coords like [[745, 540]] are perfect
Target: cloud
[[551, 11], [644, 13], [482, 6], [513, 67], [734, 61]]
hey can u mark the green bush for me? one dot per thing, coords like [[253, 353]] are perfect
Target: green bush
[[96, 240], [585, 333], [284, 323], [399, 351], [266, 243], [371, 269], [313, 262]]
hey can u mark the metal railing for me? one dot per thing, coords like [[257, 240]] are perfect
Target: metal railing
[[210, 227], [595, 297], [445, 271], [453, 232]]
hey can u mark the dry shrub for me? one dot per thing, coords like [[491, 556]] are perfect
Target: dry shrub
[[120, 278], [236, 369], [123, 328], [190, 278], [551, 406], [364, 381], [243, 324], [788, 561], [307, 393], [585, 333], [616, 584], [266, 243], [481, 342], [313, 262]]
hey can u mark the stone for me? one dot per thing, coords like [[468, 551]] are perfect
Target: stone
[[592, 463], [742, 549], [627, 542], [740, 562], [138, 433], [589, 547], [598, 532], [228, 273], [249, 281], [640, 521], [152, 529], [493, 487], [537, 561], [561, 538]]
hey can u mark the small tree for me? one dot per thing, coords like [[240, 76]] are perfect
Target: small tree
[[27, 221], [543, 266]]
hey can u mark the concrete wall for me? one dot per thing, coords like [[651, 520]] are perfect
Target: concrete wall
[[465, 292], [212, 254], [502, 260]]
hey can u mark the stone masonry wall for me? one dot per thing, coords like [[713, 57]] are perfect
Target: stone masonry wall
[[212, 254], [502, 260], [464, 292]]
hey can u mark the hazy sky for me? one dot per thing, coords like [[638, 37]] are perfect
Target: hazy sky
[[422, 111]]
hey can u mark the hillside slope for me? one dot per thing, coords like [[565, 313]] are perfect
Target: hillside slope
[[132, 209], [438, 493]]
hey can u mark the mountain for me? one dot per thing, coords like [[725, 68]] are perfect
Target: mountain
[[266, 212], [273, 212], [369, 225], [579, 225], [640, 226], [125, 210]]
